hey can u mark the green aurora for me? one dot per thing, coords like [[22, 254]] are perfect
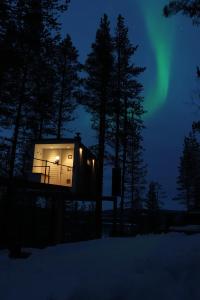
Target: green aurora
[[161, 36]]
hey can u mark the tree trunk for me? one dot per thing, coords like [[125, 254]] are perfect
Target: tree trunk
[[117, 124], [60, 111], [123, 166], [12, 231], [101, 146], [17, 128], [117, 105]]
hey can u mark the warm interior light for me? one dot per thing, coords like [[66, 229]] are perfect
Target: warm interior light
[[57, 158], [80, 152], [93, 162]]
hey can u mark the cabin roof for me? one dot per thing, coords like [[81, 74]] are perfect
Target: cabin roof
[[56, 141]]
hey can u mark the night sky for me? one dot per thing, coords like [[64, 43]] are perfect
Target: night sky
[[169, 49]]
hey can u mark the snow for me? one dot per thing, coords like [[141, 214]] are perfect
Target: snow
[[164, 267]]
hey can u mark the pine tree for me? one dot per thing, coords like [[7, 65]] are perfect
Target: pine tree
[[67, 83], [43, 20], [98, 68], [188, 179], [4, 156], [29, 24], [189, 176], [189, 8], [28, 51], [126, 100], [136, 169], [5, 31], [154, 196]]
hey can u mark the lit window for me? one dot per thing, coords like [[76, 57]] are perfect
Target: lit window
[[80, 152], [93, 162]]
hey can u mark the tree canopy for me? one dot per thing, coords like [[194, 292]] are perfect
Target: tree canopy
[[189, 8]]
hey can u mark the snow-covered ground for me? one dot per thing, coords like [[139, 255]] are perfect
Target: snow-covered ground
[[153, 267]]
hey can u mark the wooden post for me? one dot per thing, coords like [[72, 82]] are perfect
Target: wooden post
[[45, 171]]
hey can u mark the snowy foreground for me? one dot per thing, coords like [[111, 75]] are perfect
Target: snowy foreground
[[145, 267]]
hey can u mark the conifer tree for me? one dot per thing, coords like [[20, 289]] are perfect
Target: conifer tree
[[27, 17], [136, 169], [67, 82], [5, 32], [30, 26], [43, 20], [98, 68], [126, 99], [189, 175], [154, 196], [188, 179], [189, 8], [4, 156]]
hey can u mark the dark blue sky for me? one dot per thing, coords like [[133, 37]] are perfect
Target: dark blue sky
[[169, 49]]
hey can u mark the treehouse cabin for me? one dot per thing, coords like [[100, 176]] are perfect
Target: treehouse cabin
[[65, 162]]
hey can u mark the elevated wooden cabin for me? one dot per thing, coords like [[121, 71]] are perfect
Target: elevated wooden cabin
[[65, 162]]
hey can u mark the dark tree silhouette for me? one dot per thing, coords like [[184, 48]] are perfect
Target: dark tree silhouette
[[136, 168], [67, 82], [127, 101], [26, 52], [5, 35], [154, 196], [4, 156], [189, 175], [189, 8], [98, 83], [42, 72], [24, 36]]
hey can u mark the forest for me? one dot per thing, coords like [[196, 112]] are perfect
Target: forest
[[82, 213], [43, 83]]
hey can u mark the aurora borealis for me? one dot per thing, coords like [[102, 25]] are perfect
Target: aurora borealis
[[161, 38]]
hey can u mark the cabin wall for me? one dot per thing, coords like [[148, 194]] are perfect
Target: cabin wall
[[84, 172], [38, 153]]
